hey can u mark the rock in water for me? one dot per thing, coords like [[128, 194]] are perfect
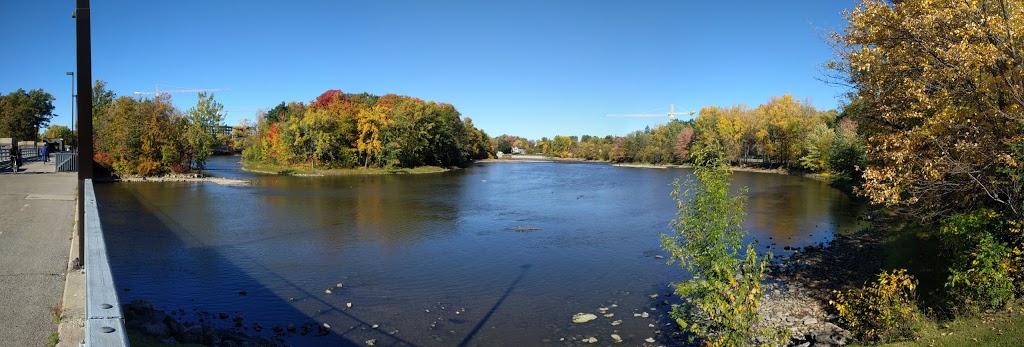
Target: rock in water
[[616, 338], [327, 291], [580, 318], [591, 340], [371, 342], [649, 340]]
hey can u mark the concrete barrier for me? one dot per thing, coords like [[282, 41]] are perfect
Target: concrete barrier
[[104, 324]]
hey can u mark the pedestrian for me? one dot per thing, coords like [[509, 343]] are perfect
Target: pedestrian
[[15, 158], [45, 153]]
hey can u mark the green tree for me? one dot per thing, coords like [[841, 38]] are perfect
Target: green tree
[[817, 145], [23, 113], [846, 155], [202, 119], [724, 291]]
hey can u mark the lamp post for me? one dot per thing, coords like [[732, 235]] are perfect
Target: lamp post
[[72, 74]]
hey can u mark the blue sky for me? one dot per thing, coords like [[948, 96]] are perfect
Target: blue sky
[[528, 68]]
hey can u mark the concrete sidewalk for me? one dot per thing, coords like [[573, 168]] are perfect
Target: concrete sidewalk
[[37, 221]]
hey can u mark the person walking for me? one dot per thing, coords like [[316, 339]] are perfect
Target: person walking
[[45, 152]]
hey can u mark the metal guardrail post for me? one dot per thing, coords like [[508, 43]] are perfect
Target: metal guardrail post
[[104, 325]]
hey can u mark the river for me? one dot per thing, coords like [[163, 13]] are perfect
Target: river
[[495, 254]]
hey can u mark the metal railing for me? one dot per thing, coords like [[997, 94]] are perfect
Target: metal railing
[[104, 324], [65, 162]]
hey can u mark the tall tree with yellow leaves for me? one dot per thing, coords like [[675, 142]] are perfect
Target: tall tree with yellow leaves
[[941, 85]]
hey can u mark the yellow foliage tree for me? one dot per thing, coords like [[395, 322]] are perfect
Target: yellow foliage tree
[[942, 85]]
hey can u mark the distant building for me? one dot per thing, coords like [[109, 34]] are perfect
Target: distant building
[[499, 154], [518, 150]]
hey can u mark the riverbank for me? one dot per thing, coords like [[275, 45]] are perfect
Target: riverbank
[[540, 158], [529, 158], [800, 285], [302, 170], [147, 326], [197, 177]]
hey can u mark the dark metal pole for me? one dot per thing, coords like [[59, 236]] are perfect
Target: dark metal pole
[[84, 60], [72, 74]]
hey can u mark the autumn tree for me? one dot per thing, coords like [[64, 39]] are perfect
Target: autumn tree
[[939, 89], [942, 87], [59, 132], [339, 130], [682, 146]]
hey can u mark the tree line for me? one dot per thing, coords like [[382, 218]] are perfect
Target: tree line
[[783, 132], [338, 130]]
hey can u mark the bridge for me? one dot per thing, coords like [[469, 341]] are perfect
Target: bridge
[[40, 279]]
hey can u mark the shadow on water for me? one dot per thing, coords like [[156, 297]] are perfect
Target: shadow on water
[[483, 321], [134, 226], [139, 231]]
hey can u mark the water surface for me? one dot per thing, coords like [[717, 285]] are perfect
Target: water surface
[[432, 259]]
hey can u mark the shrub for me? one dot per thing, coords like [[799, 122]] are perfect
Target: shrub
[[985, 282], [722, 297], [148, 167], [180, 168], [124, 167], [982, 274], [885, 311], [170, 156], [103, 159]]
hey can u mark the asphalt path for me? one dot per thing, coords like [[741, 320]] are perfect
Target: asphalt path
[[37, 208]]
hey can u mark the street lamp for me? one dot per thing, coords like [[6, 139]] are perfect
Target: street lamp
[[72, 74]]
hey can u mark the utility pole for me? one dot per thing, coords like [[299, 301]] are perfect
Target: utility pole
[[83, 39]]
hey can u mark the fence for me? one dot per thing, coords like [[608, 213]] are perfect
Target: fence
[[66, 162]]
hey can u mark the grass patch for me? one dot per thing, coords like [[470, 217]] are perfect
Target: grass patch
[[1003, 328], [57, 312], [53, 339], [288, 170]]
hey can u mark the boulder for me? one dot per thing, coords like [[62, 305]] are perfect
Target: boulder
[[580, 318]]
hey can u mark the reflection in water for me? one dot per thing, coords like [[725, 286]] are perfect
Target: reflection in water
[[432, 259]]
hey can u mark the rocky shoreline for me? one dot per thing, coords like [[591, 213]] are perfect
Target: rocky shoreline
[[142, 318], [801, 284], [178, 178]]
